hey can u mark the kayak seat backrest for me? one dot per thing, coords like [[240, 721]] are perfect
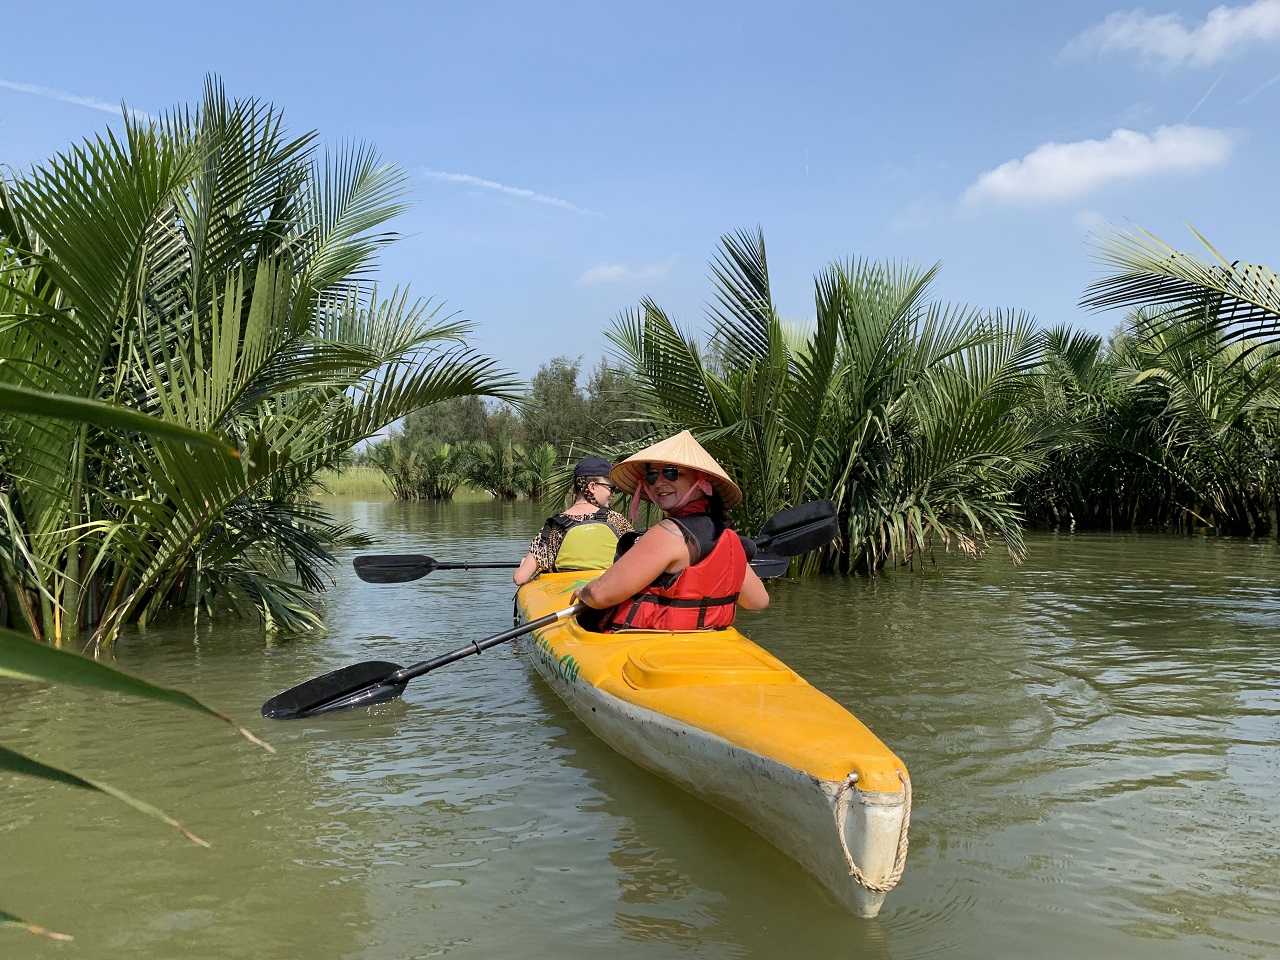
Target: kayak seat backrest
[[701, 662]]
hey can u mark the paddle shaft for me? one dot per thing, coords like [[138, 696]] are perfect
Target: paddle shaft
[[405, 674], [477, 566]]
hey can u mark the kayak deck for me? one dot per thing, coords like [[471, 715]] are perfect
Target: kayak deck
[[739, 707]]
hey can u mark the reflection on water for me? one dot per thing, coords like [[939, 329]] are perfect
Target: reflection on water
[[1092, 740]]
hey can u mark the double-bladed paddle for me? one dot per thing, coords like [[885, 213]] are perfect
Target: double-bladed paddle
[[787, 533], [407, 567], [403, 567], [799, 529], [377, 681]]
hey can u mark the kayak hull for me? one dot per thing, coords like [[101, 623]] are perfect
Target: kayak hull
[[723, 719]]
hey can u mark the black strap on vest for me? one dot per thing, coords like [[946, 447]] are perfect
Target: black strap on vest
[[703, 605], [563, 521], [703, 531]]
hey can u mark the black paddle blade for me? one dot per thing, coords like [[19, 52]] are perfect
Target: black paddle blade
[[393, 567], [799, 529], [766, 565], [373, 694], [359, 685]]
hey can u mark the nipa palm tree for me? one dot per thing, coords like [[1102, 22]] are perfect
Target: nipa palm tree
[[907, 413], [1218, 401], [210, 271], [540, 469]]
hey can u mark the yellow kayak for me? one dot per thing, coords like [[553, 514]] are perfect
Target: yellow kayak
[[726, 720]]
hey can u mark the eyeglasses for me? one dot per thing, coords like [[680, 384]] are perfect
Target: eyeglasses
[[669, 473], [604, 483]]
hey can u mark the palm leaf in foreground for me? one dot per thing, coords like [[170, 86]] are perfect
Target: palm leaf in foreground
[[22, 658], [16, 762], [108, 416]]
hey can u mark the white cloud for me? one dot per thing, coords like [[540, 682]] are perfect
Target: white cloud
[[79, 100], [527, 194], [1064, 171], [622, 273], [1164, 37]]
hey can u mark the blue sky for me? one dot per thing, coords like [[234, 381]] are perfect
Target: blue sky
[[569, 158]]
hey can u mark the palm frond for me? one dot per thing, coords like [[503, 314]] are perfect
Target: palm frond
[[1242, 299], [743, 309]]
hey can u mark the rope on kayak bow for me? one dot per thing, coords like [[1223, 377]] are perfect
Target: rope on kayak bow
[[900, 857]]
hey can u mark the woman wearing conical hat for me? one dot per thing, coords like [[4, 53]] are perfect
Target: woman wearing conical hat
[[690, 571]]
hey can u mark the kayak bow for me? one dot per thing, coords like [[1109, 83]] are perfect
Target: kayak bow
[[724, 719]]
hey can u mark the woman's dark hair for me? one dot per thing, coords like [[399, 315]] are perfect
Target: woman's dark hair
[[582, 490], [715, 509]]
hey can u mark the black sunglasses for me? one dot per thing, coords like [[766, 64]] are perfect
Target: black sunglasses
[[670, 473], [606, 484]]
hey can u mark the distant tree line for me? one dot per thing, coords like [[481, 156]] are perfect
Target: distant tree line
[[523, 447]]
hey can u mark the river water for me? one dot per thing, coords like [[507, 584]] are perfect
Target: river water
[[1092, 739]]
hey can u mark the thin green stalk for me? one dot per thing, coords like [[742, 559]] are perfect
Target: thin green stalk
[[72, 590]]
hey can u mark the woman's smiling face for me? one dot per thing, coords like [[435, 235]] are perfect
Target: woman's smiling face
[[667, 493]]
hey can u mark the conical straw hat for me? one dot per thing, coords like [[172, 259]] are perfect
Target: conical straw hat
[[683, 451]]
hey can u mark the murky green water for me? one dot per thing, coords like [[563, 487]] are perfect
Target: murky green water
[[1092, 739]]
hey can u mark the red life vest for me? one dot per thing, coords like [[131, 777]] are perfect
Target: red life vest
[[704, 595]]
